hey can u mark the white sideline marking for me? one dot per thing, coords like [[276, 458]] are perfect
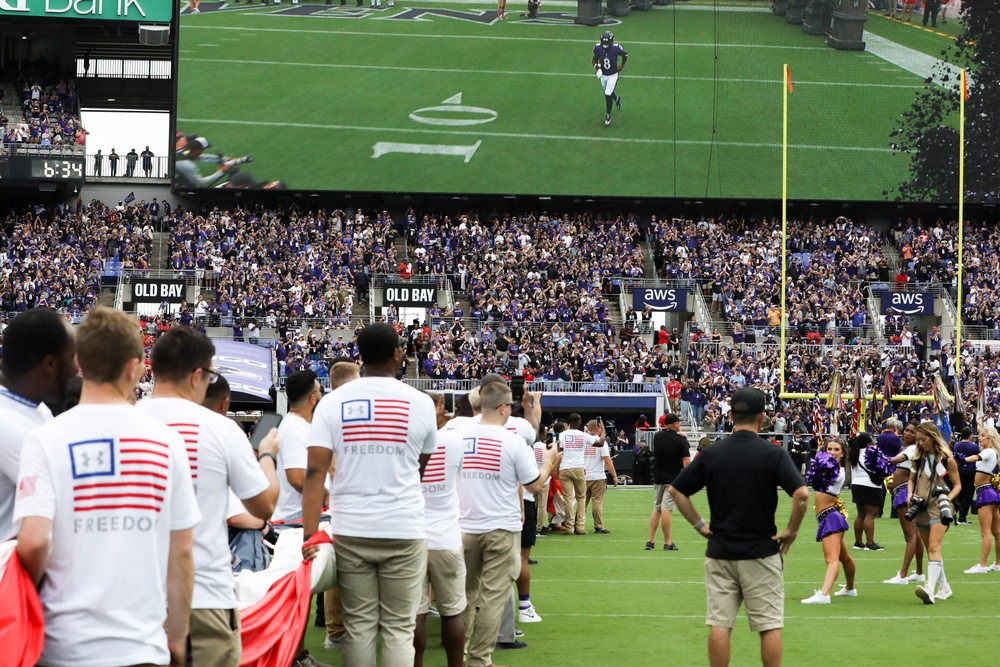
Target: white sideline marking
[[441, 70], [480, 38], [820, 617], [524, 135], [385, 147], [914, 61]]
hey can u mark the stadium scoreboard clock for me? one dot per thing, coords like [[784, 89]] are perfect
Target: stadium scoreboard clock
[[63, 169], [46, 167]]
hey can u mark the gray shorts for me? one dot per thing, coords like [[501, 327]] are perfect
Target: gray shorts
[[662, 500]]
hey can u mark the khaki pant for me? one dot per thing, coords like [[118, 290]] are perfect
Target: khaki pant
[[595, 493], [574, 488], [215, 638], [334, 612], [542, 507], [380, 583], [492, 563]]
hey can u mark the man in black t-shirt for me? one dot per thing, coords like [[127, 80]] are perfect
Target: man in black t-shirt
[[671, 454], [743, 561]]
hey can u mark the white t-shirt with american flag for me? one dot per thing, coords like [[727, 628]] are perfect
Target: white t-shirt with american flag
[[573, 443], [594, 458], [115, 483], [221, 458], [440, 493], [516, 425], [377, 428], [495, 463]]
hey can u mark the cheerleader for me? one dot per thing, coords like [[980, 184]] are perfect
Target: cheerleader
[[826, 476], [897, 490], [987, 499], [931, 462]]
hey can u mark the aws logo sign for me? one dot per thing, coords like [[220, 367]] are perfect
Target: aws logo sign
[[662, 299], [908, 303]]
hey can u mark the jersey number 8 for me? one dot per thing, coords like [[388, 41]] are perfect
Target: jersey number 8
[[607, 64]]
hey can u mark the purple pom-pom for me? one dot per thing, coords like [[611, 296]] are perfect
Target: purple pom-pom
[[878, 463], [822, 472]]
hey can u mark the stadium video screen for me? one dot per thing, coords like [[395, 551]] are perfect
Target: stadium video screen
[[436, 96]]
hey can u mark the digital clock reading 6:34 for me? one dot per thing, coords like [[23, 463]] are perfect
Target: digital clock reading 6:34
[[67, 168]]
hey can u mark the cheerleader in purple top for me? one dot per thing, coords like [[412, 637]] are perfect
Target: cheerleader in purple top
[[826, 475], [987, 499]]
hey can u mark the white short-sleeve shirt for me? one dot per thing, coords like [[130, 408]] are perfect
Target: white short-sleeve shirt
[[594, 458], [221, 458], [495, 463], [18, 416], [439, 486], [573, 444], [115, 483], [292, 455], [377, 428]]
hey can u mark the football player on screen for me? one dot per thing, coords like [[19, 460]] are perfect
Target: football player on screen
[[606, 54]]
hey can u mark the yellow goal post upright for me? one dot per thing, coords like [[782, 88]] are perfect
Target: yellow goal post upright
[[786, 83]]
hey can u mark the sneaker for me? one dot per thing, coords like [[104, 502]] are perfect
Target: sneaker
[[917, 578], [532, 561], [602, 531], [650, 546], [977, 569], [962, 522], [898, 579], [817, 598], [517, 643], [518, 632], [995, 567], [607, 120], [846, 592], [618, 102], [309, 661], [670, 547], [859, 545], [528, 615], [334, 643], [431, 611], [943, 593], [924, 594], [874, 547]]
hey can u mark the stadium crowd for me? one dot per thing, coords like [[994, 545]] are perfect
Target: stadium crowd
[[46, 115]]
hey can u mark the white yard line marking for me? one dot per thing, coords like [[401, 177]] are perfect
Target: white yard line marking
[[524, 135], [589, 75]]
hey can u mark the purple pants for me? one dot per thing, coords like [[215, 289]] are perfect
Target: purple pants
[[830, 521], [986, 495]]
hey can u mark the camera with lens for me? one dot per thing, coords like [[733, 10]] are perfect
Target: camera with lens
[[944, 505], [917, 505]]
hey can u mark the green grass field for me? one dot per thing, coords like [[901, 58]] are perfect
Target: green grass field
[[606, 601], [313, 97]]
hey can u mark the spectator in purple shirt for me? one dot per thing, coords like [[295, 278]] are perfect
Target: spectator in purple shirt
[[966, 473]]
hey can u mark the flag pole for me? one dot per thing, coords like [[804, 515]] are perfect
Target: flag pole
[[963, 94], [786, 86]]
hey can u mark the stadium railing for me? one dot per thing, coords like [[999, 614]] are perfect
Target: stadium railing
[[160, 170], [39, 149]]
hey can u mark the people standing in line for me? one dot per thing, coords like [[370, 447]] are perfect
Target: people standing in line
[[572, 473], [931, 462], [671, 454], [98, 162], [113, 158], [964, 449], [382, 433], [865, 494], [445, 556], [38, 361], [826, 475], [598, 464], [931, 9], [131, 159], [987, 498], [900, 501], [495, 465], [105, 485], [743, 561], [221, 459], [147, 161]]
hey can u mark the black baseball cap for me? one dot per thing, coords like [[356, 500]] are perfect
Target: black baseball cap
[[671, 418], [748, 401]]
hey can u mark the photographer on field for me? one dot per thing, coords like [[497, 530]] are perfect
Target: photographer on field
[[931, 509]]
